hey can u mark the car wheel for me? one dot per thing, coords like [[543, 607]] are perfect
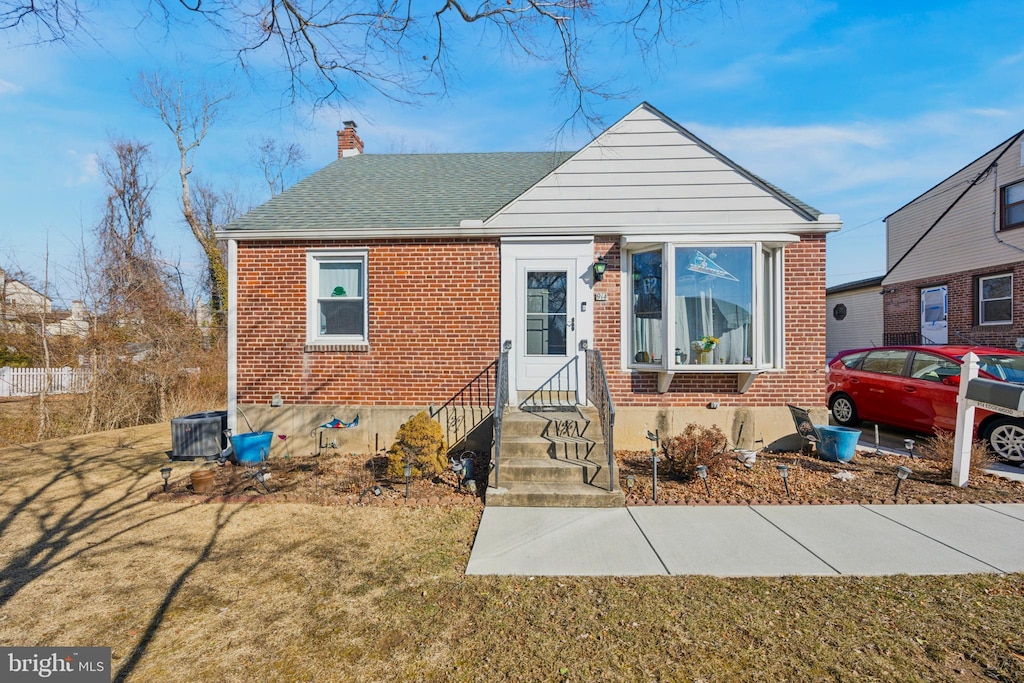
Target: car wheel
[[1006, 439], [843, 410]]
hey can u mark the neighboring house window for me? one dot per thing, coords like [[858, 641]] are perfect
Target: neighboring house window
[[1013, 206], [694, 306], [336, 297], [995, 300]]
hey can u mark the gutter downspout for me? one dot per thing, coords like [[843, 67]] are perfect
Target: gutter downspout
[[233, 336]]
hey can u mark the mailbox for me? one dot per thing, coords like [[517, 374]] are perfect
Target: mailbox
[[999, 397]]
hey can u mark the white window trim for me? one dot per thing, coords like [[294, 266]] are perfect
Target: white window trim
[[982, 300], [314, 257], [764, 358]]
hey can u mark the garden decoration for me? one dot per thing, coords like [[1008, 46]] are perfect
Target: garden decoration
[[655, 440]]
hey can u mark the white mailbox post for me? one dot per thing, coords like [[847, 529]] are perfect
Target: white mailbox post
[[999, 397]]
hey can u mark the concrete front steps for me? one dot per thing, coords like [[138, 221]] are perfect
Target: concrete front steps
[[554, 458]]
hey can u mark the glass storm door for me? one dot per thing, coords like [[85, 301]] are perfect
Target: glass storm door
[[546, 319]]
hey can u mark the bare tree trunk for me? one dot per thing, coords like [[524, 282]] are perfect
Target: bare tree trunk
[[43, 408]]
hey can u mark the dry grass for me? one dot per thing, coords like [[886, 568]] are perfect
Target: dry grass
[[296, 592]]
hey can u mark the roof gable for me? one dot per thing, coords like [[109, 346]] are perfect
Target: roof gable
[[648, 171]]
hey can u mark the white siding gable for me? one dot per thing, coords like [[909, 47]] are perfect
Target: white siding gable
[[647, 172], [967, 237]]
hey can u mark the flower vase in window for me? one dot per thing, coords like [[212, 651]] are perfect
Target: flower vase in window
[[702, 349]]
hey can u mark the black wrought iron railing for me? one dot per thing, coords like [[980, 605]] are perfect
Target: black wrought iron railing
[[468, 408], [600, 396], [558, 391], [500, 403]]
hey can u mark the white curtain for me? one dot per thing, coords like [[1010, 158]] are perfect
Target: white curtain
[[340, 275]]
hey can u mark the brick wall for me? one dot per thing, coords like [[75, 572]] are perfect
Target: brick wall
[[433, 323], [902, 307], [802, 382]]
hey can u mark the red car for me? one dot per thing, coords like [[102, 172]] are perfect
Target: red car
[[915, 387]]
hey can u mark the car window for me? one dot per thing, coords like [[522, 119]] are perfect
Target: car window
[[887, 362], [928, 366], [1006, 367], [852, 359]]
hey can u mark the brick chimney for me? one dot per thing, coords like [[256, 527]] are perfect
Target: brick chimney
[[349, 143]]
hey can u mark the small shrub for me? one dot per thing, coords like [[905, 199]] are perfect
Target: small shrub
[[696, 445], [939, 448], [419, 442]]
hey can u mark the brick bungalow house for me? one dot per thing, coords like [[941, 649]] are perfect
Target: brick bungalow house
[[384, 284]]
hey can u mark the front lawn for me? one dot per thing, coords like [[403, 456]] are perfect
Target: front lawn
[[295, 591]]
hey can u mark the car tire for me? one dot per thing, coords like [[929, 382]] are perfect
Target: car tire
[[1005, 437], [844, 412]]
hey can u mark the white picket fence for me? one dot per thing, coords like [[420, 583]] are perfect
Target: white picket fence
[[32, 381]]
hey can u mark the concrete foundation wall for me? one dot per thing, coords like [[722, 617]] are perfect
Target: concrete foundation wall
[[753, 428]]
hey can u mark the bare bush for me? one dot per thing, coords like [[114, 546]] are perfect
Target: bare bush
[[696, 445], [939, 448]]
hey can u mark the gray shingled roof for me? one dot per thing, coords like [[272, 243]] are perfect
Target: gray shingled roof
[[403, 191]]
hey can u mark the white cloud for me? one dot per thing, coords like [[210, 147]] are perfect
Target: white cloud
[[84, 168], [8, 88]]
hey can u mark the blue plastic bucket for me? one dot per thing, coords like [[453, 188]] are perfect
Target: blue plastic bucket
[[838, 444], [251, 447]]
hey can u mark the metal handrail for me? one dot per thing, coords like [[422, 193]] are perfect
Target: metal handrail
[[600, 396], [564, 381], [468, 408], [500, 403]]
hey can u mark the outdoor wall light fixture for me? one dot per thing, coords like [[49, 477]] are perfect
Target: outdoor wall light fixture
[[702, 472], [655, 443], [165, 472], [901, 474], [599, 267], [909, 445], [784, 473], [407, 470]]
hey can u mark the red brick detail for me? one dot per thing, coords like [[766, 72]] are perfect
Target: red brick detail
[[433, 323], [349, 141], [802, 382], [901, 308]]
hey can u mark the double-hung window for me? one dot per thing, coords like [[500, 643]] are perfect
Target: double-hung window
[[705, 306], [995, 300], [336, 297], [1013, 206]]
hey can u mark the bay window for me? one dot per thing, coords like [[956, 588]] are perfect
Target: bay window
[[708, 306]]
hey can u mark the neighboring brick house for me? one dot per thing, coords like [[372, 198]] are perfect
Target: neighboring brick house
[[383, 284], [955, 257]]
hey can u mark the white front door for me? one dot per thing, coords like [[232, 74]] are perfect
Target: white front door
[[547, 304], [933, 315], [545, 320]]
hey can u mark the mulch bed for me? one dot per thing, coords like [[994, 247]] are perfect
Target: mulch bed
[[869, 479], [351, 479]]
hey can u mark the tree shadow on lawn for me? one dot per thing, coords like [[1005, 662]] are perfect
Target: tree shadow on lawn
[[89, 490]]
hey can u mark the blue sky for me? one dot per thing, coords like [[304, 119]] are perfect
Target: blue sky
[[855, 108]]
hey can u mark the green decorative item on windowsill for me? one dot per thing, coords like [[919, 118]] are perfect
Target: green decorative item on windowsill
[[338, 291]]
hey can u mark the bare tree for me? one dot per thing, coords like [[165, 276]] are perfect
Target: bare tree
[[400, 49], [277, 161], [188, 112]]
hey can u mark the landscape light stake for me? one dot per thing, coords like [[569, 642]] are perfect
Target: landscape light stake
[[878, 451], [909, 445], [702, 472], [165, 472], [901, 474], [655, 443], [630, 482], [784, 473], [407, 470]]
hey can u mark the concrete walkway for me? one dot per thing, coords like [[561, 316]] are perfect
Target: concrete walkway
[[759, 540]]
